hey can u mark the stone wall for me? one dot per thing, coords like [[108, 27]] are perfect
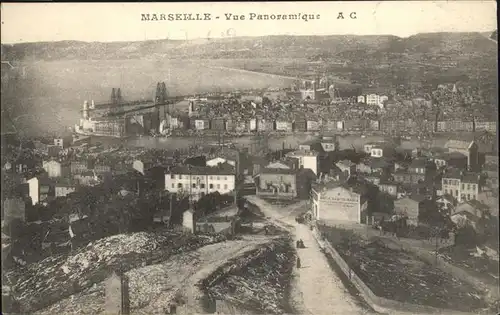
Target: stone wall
[[378, 303]]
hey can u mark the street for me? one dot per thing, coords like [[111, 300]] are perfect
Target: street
[[321, 289]]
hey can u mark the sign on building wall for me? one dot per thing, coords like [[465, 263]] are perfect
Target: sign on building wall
[[332, 209]]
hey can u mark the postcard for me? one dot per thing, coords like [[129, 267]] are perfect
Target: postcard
[[250, 158]]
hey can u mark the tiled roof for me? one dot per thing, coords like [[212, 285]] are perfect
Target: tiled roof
[[221, 169], [478, 205], [418, 163], [378, 163], [471, 178], [278, 171], [344, 163], [468, 215], [451, 155], [452, 173], [310, 142], [302, 153], [458, 144]]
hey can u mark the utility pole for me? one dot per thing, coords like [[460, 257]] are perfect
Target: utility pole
[[171, 201], [236, 177], [190, 188]]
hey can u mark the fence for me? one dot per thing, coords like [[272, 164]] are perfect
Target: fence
[[378, 303]]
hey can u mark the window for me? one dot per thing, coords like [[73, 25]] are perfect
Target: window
[[445, 182], [463, 186], [202, 186], [456, 192], [179, 185], [173, 185], [474, 196], [468, 196], [445, 190], [211, 186], [218, 186], [172, 176], [225, 177], [225, 186], [180, 176], [474, 186], [211, 177], [218, 177], [468, 186]]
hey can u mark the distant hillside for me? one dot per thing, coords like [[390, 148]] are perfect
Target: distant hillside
[[255, 47]]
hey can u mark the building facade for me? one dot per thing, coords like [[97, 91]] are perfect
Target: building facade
[[200, 181], [277, 183], [307, 159], [410, 207], [56, 169], [469, 149], [461, 186], [337, 204]]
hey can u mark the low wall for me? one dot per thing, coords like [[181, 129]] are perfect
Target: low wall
[[378, 303]]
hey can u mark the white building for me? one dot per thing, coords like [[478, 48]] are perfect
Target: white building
[[188, 220], [463, 187], [375, 99], [64, 189], [378, 151], [219, 160], [307, 159], [141, 166], [367, 147], [200, 181], [337, 204], [34, 190], [38, 189], [53, 168]]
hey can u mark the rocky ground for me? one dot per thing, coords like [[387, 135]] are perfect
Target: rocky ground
[[41, 284], [256, 283], [153, 288]]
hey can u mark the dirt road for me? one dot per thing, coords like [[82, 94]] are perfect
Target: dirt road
[[321, 290]]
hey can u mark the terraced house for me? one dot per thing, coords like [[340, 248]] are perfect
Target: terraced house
[[201, 180], [460, 185]]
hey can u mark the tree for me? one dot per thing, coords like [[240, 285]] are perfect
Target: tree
[[118, 95], [113, 96], [466, 236]]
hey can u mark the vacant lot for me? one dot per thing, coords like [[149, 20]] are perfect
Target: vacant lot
[[400, 276]]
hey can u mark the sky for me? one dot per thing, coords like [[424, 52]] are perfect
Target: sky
[[105, 22]]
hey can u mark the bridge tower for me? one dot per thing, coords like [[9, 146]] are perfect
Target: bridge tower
[[308, 90]]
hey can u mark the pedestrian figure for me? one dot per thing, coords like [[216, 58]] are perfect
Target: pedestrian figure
[[298, 263], [297, 243]]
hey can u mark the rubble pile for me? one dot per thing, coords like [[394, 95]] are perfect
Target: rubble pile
[[43, 283], [258, 281], [146, 284]]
